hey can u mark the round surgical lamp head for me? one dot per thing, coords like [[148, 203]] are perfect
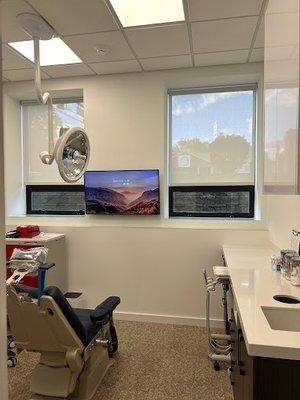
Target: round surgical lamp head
[[72, 153]]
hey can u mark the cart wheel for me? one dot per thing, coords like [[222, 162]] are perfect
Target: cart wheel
[[216, 366], [114, 341], [11, 344], [11, 362]]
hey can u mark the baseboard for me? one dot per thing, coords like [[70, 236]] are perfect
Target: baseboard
[[166, 319]]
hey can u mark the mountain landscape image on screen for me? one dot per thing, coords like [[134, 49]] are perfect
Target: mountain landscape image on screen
[[122, 192]]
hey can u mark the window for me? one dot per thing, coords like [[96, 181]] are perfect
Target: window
[[212, 136], [55, 199], [208, 201], [45, 191], [35, 136]]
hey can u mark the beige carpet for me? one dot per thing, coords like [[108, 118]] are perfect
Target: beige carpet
[[154, 362]]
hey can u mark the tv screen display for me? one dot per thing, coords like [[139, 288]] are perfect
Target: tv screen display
[[123, 192]]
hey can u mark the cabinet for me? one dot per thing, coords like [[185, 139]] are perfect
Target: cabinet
[[241, 364], [55, 243], [260, 378], [281, 98]]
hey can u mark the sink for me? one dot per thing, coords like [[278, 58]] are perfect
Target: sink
[[283, 319], [286, 299]]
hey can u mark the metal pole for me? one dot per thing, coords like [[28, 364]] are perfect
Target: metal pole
[[43, 98]]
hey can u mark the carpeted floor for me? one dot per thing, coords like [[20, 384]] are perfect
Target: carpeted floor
[[154, 362]]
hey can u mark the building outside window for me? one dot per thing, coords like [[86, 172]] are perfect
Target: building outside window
[[212, 139]]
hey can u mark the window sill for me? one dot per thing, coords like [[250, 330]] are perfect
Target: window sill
[[150, 222]]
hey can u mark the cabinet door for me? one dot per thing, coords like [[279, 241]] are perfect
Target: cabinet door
[[235, 377], [245, 368], [277, 379]]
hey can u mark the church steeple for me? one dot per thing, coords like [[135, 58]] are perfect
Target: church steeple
[[216, 129]]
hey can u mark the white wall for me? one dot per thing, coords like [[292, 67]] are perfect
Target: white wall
[[155, 267], [283, 216], [157, 272]]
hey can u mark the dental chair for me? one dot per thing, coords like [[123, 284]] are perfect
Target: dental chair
[[75, 345]]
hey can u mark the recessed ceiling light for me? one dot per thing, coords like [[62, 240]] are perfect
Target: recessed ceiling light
[[52, 52], [148, 12]]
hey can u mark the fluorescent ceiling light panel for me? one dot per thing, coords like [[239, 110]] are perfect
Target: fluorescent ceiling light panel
[[148, 12], [52, 52]]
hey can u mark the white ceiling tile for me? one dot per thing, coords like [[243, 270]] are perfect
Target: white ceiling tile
[[21, 75], [13, 60], [257, 55], [114, 42], [259, 41], [220, 58], [116, 67], [223, 35], [64, 71], [76, 16], [214, 9], [10, 27], [151, 64], [159, 41]]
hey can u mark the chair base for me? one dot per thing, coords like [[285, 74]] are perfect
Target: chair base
[[93, 373], [88, 382]]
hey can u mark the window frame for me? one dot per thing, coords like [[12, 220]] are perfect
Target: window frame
[[55, 100], [51, 188], [202, 90]]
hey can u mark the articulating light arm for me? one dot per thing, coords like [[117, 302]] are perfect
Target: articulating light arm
[[44, 98]]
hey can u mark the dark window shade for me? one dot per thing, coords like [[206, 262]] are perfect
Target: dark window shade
[[211, 201], [55, 199]]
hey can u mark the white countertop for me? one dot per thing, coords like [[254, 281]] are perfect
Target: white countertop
[[254, 284], [41, 238]]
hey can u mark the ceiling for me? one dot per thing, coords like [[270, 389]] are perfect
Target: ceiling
[[215, 32]]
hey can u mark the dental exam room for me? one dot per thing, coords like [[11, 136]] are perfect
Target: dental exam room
[[149, 200]]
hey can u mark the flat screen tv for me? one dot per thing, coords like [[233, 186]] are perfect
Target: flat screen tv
[[122, 192]]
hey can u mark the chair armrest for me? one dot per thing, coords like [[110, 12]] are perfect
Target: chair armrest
[[103, 312]]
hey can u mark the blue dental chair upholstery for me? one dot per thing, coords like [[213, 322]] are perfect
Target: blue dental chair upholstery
[[85, 322]]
